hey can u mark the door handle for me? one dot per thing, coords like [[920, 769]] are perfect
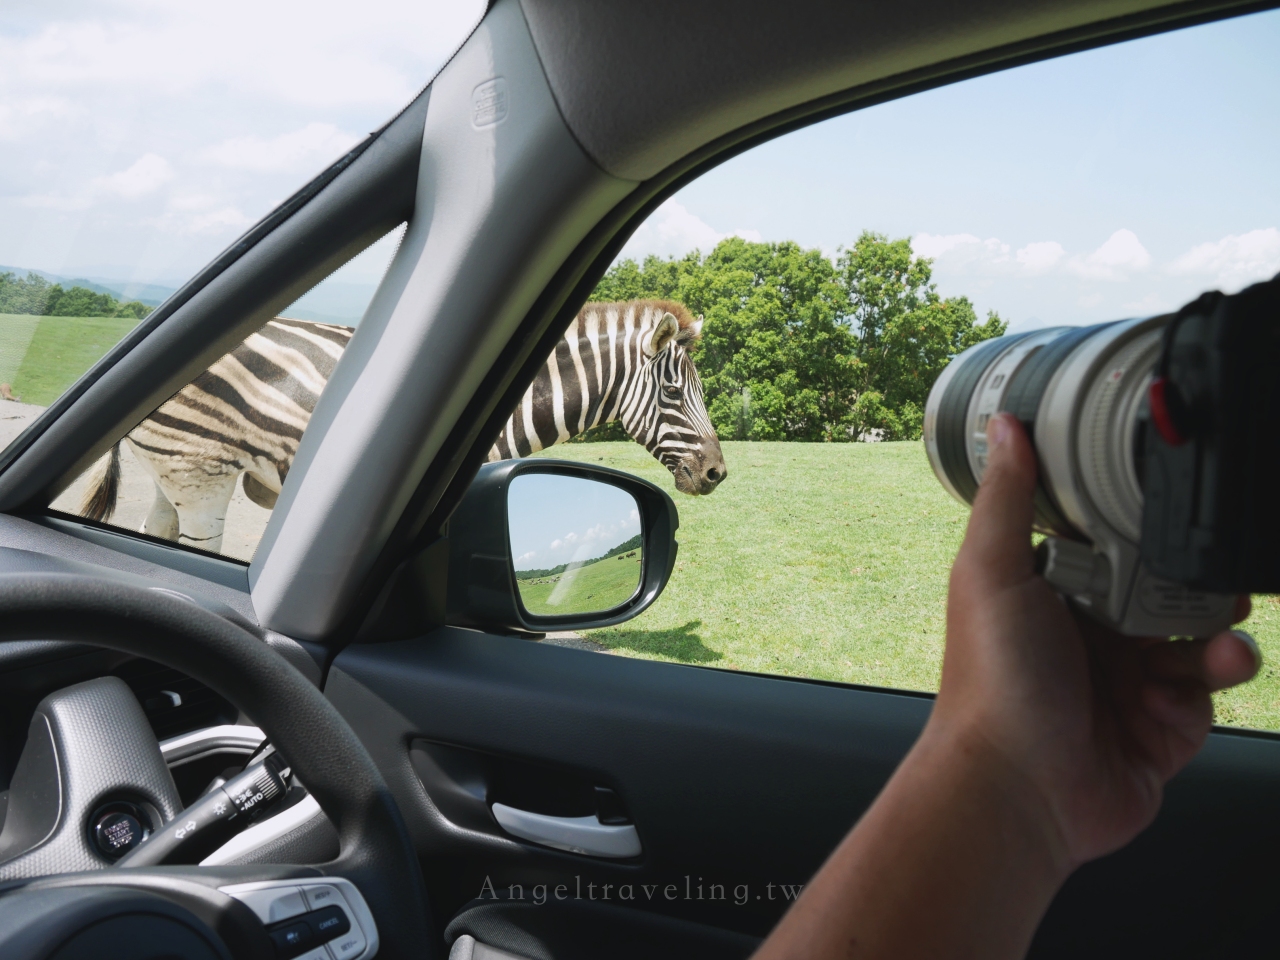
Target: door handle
[[586, 835]]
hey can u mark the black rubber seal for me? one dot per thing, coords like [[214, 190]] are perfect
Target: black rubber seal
[[953, 454], [1026, 391]]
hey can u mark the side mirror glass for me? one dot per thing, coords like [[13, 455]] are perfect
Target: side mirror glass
[[576, 544], [539, 545]]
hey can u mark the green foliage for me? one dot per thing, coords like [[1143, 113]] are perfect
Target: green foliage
[[35, 295], [795, 347]]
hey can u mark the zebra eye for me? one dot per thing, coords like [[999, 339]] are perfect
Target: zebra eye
[[671, 393]]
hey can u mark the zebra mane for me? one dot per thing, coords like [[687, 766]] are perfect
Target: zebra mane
[[690, 329]]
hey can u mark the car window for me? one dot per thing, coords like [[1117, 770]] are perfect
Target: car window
[[204, 469], [138, 140], [834, 272]]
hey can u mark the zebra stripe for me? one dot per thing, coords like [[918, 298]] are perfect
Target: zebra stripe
[[246, 414], [651, 385]]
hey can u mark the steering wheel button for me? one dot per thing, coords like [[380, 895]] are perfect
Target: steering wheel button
[[323, 896], [349, 946], [292, 940], [287, 904], [329, 923], [274, 904]]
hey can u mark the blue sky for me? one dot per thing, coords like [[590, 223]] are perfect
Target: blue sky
[[139, 137], [1110, 183], [557, 519]]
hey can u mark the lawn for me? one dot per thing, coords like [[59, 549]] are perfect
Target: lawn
[[597, 585], [41, 356], [830, 561]]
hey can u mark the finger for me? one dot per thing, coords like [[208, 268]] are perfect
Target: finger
[[1186, 710], [998, 540], [1243, 607], [1230, 658]]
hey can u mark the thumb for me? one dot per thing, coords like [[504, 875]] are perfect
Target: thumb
[[998, 540]]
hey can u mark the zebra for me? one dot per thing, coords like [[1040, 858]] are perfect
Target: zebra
[[246, 414], [628, 362]]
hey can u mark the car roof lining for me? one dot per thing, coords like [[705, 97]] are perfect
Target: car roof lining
[[643, 84]]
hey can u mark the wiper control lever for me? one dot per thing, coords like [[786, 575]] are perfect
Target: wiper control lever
[[213, 819]]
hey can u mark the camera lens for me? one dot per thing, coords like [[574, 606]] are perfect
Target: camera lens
[[1080, 393]]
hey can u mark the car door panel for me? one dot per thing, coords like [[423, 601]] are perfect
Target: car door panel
[[712, 766], [745, 781]]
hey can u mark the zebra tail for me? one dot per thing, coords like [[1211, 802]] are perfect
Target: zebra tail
[[99, 501]]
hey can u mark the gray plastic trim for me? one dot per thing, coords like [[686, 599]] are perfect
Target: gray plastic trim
[[226, 737], [226, 572], [585, 835], [504, 197], [48, 541], [103, 749]]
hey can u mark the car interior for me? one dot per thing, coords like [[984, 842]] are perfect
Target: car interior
[[349, 747]]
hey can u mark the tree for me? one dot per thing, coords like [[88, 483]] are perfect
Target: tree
[[795, 347], [35, 295], [906, 332]]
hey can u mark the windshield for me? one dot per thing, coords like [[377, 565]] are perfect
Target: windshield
[[138, 139]]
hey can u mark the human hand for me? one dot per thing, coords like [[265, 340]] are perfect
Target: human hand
[[1090, 722]]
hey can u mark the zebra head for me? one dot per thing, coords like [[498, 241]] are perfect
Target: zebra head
[[665, 411]]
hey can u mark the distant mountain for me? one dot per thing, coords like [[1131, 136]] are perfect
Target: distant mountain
[[152, 294]]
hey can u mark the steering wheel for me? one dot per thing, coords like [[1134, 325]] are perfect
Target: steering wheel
[[181, 911]]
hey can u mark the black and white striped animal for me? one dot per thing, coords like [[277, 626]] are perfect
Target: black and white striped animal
[[627, 362], [246, 413]]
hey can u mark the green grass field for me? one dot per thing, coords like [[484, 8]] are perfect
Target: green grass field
[[41, 356], [830, 561], [594, 586]]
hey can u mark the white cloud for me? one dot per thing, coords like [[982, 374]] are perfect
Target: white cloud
[[311, 146], [672, 230], [19, 117], [1041, 257], [147, 174], [1151, 304], [526, 557], [958, 245], [1235, 260], [198, 213], [335, 53], [964, 253], [1121, 255]]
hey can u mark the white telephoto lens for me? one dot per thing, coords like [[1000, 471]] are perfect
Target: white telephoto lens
[[1080, 393]]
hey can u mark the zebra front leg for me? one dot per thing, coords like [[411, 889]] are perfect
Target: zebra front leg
[[162, 521]]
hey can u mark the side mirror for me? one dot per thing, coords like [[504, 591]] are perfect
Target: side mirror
[[540, 545]]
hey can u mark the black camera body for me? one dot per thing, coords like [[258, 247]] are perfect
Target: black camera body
[[1211, 461]]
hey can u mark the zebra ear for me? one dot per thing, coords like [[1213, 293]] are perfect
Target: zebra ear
[[696, 327], [665, 332]]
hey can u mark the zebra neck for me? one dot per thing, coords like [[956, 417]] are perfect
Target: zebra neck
[[582, 385]]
